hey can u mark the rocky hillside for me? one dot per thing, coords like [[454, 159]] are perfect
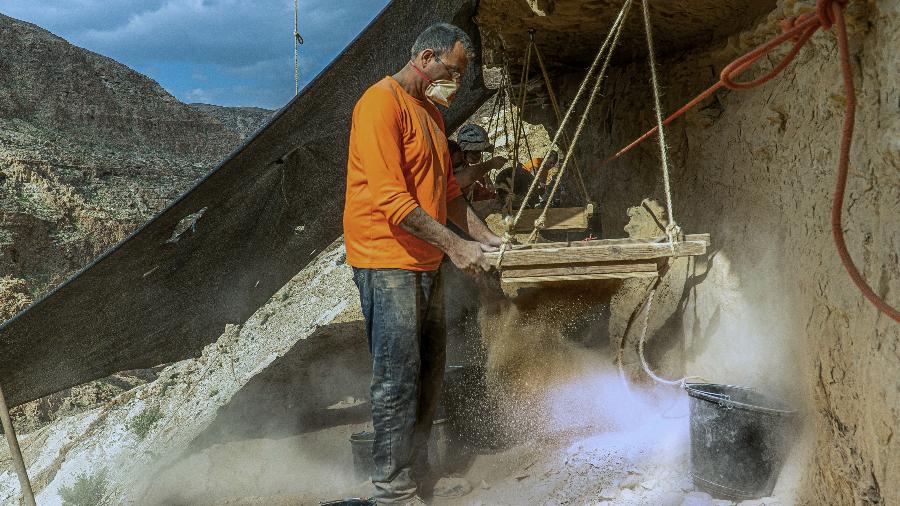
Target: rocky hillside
[[89, 150], [240, 120]]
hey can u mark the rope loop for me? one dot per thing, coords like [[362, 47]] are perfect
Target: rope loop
[[825, 11], [797, 29]]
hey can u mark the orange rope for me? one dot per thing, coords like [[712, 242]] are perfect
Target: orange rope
[[798, 30]]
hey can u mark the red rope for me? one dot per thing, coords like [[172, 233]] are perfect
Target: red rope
[[798, 30]]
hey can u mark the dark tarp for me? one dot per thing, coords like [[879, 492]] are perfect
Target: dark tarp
[[269, 208]]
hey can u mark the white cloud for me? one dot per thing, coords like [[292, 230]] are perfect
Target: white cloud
[[193, 43]]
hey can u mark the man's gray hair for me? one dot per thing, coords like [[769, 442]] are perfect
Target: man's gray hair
[[440, 38]]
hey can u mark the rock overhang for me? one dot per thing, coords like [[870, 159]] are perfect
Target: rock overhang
[[569, 32]]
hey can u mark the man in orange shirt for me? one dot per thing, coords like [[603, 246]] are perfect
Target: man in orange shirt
[[400, 193]]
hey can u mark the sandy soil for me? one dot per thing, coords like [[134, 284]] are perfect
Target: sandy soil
[[629, 453]]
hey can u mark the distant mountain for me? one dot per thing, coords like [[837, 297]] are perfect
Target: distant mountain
[[89, 150], [240, 120]]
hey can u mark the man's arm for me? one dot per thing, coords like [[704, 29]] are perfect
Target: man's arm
[[463, 216], [468, 175], [466, 255]]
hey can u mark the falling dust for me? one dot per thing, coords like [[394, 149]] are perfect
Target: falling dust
[[557, 394], [550, 363], [551, 369]]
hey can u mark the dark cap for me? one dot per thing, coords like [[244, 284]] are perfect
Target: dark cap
[[472, 137]]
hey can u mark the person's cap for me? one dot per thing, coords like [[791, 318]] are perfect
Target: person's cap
[[472, 137]]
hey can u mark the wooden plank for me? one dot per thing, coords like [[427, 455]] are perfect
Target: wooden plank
[[595, 251], [580, 277], [602, 242], [558, 218], [579, 269]]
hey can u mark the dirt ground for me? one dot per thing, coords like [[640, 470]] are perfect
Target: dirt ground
[[599, 443]]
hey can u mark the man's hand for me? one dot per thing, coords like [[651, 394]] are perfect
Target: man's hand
[[466, 255], [467, 175], [460, 213], [489, 240], [469, 257], [495, 163]]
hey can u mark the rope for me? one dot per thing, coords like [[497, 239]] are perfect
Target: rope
[[506, 121], [555, 104], [837, 230], [672, 230], [523, 84], [298, 40], [615, 28], [648, 303], [540, 221], [799, 30]]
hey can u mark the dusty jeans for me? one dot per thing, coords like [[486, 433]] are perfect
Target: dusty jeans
[[408, 339]]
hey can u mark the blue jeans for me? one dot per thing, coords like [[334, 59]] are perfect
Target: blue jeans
[[408, 339]]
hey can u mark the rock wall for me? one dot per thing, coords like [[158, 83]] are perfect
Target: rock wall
[[771, 306], [568, 32]]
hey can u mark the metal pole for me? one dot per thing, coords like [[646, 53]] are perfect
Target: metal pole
[[15, 452]]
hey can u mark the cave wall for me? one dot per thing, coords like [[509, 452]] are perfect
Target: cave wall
[[771, 307]]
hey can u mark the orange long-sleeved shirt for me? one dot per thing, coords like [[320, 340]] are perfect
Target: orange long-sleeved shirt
[[398, 161]]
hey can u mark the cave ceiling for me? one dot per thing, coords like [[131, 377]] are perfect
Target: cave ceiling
[[569, 32]]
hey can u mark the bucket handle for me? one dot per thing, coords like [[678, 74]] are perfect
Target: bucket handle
[[721, 398]]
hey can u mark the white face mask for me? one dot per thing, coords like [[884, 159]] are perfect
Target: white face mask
[[442, 91]]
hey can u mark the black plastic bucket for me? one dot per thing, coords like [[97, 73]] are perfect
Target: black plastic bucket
[[739, 439], [440, 446], [363, 462], [439, 452]]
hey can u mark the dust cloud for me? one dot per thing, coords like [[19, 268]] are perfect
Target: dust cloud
[[551, 368]]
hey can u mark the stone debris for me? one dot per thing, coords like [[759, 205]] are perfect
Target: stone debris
[[649, 484], [452, 487], [703, 499], [608, 493], [765, 501], [631, 481], [684, 484], [629, 495]]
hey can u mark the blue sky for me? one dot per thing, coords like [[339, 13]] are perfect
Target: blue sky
[[225, 52]]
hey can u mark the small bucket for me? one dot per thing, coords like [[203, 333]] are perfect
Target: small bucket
[[440, 447], [739, 439], [439, 452], [363, 462]]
